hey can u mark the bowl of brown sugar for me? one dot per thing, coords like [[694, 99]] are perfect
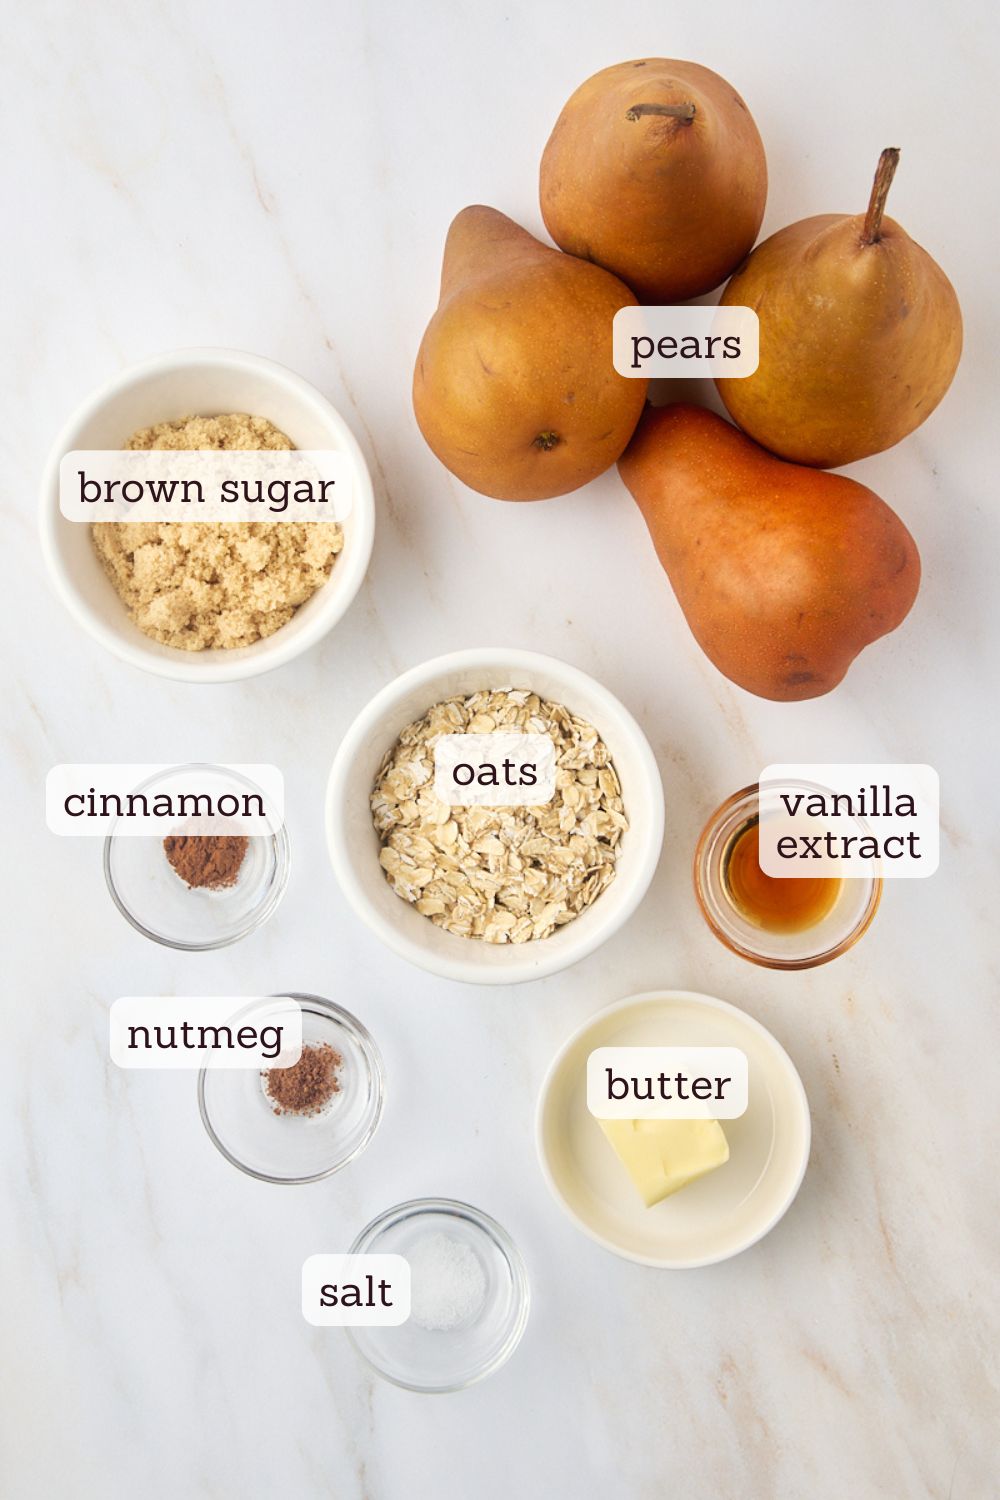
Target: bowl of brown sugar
[[208, 601]]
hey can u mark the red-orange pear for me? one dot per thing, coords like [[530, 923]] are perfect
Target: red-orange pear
[[784, 573]]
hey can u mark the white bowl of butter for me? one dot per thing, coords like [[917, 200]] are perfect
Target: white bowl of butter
[[718, 1202]]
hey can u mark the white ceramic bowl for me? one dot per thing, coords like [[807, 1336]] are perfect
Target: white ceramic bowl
[[354, 844], [201, 382], [728, 1210]]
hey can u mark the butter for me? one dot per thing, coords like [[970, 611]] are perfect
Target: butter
[[663, 1156]]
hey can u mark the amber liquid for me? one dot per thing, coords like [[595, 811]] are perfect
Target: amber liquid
[[789, 905]]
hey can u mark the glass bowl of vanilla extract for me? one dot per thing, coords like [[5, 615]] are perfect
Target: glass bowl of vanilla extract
[[788, 923]]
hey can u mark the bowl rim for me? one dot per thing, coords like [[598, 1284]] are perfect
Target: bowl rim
[[188, 666], [321, 1006], [467, 969], [505, 1243], [671, 1263]]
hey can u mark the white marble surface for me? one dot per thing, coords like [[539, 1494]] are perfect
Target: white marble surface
[[280, 178]]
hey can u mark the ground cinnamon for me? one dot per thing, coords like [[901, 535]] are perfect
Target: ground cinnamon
[[308, 1085], [206, 862]]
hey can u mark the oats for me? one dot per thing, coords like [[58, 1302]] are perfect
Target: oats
[[500, 874]]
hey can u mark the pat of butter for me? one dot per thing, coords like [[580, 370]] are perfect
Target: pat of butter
[[663, 1156]]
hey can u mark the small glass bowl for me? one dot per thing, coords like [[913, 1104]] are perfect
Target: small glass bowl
[[240, 1116], [847, 920], [155, 900], [438, 1360]]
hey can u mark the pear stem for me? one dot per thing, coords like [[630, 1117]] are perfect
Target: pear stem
[[884, 173], [685, 112]]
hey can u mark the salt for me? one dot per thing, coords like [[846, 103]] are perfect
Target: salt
[[447, 1283]]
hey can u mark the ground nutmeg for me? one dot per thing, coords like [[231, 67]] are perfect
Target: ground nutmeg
[[308, 1085]]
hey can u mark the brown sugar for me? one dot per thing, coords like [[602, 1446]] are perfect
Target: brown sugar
[[308, 1085], [199, 585]]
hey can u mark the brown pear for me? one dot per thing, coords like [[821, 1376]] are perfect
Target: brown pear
[[514, 387], [860, 335], [655, 170], [784, 573]]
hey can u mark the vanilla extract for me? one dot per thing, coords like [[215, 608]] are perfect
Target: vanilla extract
[[791, 904]]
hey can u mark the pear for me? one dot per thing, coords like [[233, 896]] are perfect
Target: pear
[[784, 573], [656, 171], [514, 387], [860, 335]]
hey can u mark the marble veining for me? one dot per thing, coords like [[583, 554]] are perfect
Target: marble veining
[[281, 179]]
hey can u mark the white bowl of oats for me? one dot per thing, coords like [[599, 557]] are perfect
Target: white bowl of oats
[[502, 894], [208, 602]]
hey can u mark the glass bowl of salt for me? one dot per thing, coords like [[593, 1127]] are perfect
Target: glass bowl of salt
[[469, 1296]]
